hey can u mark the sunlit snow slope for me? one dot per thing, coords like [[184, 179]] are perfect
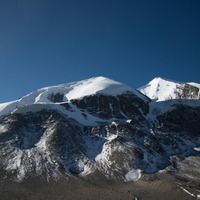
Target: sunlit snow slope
[[161, 89]]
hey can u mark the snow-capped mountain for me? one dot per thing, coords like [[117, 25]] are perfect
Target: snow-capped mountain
[[96, 126], [67, 92], [162, 89]]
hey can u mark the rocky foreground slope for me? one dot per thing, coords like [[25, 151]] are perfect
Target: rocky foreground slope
[[103, 128]]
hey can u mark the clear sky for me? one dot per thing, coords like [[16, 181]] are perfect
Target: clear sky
[[47, 42]]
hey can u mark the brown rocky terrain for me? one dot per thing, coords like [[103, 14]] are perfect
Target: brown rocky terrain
[[161, 186]]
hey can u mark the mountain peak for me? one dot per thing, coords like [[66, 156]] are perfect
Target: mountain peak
[[70, 91], [80, 89], [161, 79], [161, 89]]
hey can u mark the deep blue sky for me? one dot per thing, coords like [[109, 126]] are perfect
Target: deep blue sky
[[47, 42]]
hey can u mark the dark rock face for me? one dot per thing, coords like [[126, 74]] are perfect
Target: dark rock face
[[187, 91], [106, 107], [56, 98], [39, 143], [181, 119]]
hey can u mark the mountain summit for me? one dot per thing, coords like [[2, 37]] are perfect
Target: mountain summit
[[69, 91], [101, 128], [160, 89]]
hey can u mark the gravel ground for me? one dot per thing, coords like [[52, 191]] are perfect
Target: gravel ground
[[161, 186]]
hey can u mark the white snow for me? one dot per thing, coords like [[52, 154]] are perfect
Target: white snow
[[3, 128], [133, 175], [197, 148], [187, 191], [86, 168], [162, 89], [6, 108], [97, 85]]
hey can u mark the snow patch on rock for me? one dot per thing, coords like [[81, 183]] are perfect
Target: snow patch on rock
[[3, 128], [133, 175]]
